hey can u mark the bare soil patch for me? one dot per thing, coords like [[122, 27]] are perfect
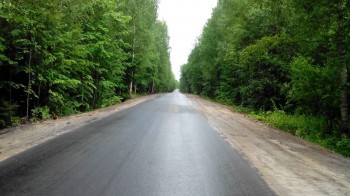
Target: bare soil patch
[[20, 138], [290, 165]]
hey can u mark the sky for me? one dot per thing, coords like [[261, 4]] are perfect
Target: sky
[[185, 20]]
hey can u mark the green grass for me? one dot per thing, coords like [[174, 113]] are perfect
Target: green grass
[[133, 96], [315, 129]]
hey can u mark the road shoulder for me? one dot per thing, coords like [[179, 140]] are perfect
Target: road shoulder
[[290, 165], [17, 139]]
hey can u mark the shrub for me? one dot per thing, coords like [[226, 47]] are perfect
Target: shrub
[[40, 113], [111, 101]]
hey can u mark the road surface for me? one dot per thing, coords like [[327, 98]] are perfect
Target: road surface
[[160, 147]]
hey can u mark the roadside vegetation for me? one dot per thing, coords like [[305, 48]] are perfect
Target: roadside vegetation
[[64, 57], [315, 129], [282, 62]]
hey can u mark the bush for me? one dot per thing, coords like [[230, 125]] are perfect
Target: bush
[[111, 101], [71, 107], [2, 123], [40, 113], [15, 120], [7, 110], [343, 146]]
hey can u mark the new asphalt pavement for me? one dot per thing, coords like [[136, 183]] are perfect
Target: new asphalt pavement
[[163, 146]]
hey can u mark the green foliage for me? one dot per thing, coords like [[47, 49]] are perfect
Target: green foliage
[[311, 128], [40, 113], [313, 87], [2, 123], [299, 125], [74, 56], [283, 58], [7, 114], [15, 120], [111, 101], [343, 146], [71, 107]]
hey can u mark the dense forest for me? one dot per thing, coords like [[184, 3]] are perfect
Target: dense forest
[[61, 57], [283, 61]]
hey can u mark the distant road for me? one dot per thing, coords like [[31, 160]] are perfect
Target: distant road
[[160, 147]]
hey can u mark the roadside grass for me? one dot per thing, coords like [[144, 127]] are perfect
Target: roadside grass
[[315, 129], [134, 96], [311, 128], [71, 108]]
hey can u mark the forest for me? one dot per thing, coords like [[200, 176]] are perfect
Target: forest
[[284, 62], [61, 57]]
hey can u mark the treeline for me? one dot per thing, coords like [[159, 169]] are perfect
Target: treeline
[[63, 56], [289, 56]]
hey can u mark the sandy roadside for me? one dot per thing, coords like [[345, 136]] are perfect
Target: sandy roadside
[[290, 165], [18, 139]]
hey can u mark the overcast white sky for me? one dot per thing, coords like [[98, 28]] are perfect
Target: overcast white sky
[[185, 20]]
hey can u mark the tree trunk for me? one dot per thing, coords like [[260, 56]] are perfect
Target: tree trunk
[[82, 90], [135, 88], [39, 94], [10, 114], [130, 86], [29, 83], [343, 72], [95, 96], [344, 100], [133, 56]]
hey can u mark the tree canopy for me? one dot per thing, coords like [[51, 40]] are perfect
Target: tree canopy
[[68, 56], [271, 55]]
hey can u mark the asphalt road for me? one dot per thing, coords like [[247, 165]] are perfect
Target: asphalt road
[[160, 147]]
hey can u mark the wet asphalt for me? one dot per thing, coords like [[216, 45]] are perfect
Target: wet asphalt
[[160, 147]]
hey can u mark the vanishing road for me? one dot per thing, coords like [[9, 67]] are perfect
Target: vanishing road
[[160, 147]]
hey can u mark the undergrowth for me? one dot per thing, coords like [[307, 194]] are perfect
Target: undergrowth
[[315, 129]]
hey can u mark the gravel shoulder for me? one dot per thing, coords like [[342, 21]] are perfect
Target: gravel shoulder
[[17, 139], [290, 165]]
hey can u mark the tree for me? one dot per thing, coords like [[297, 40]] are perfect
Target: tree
[[267, 55], [71, 56]]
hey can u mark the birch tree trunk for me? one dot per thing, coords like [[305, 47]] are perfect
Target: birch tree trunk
[[133, 55]]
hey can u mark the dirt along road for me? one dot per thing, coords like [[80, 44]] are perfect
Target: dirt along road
[[18, 139], [290, 165]]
